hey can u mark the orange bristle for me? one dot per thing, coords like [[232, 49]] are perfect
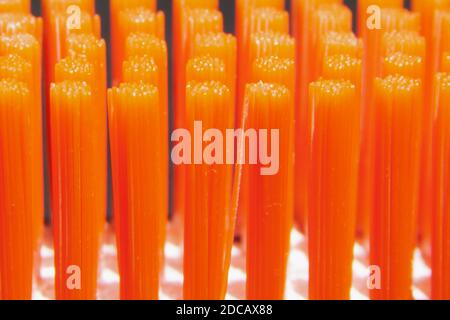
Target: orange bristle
[[440, 280], [391, 20], [437, 40], [333, 187], [209, 223], [28, 48], [93, 50], [143, 46], [265, 44], [245, 7], [396, 184], [269, 220], [273, 69], [325, 18], [22, 6], [407, 42], [13, 23], [192, 22], [78, 185], [428, 10], [257, 20], [138, 176], [17, 203], [133, 21], [343, 67], [145, 69], [405, 65], [141, 69], [205, 69], [178, 28], [222, 46], [445, 64], [336, 43], [262, 44], [55, 40]]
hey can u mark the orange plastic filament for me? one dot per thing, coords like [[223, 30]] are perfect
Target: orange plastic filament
[[333, 182], [138, 176], [391, 20], [445, 65], [326, 18], [397, 147], [337, 43], [92, 50], [343, 67], [144, 44], [274, 69], [405, 65], [133, 21], [141, 47], [440, 281], [205, 69], [209, 223], [181, 9], [13, 23], [78, 186], [258, 20], [222, 46], [17, 206], [269, 222], [243, 9], [437, 44], [192, 22], [28, 48], [22, 6]]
